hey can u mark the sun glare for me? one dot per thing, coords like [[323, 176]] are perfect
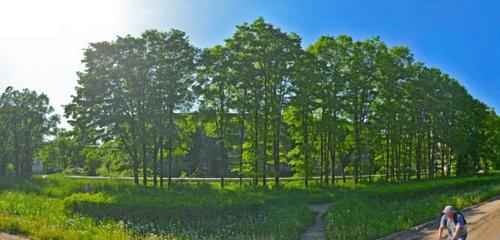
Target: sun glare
[[52, 18], [41, 42]]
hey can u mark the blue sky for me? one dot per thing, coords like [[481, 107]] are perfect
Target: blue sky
[[41, 43]]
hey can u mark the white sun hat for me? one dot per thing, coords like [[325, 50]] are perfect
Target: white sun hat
[[448, 209]]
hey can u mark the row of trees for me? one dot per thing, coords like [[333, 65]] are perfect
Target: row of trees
[[25, 120], [340, 104], [261, 106]]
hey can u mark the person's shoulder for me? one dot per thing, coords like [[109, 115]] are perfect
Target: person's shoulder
[[460, 218], [443, 220]]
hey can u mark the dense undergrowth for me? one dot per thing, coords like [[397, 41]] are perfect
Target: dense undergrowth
[[59, 208]]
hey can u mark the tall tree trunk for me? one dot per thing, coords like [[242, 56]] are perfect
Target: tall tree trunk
[[17, 161], [242, 138], [398, 161], [423, 153], [223, 164], [410, 154], [264, 148], [256, 145], [442, 148], [448, 170], [3, 161], [333, 146], [155, 159], [357, 155], [276, 151], [343, 173], [242, 135], [136, 168], [387, 155], [221, 127], [333, 156], [306, 145], [279, 107], [322, 158], [419, 158], [393, 151], [170, 145], [144, 164], [276, 139], [222, 145], [327, 159], [429, 157], [161, 161], [405, 164]]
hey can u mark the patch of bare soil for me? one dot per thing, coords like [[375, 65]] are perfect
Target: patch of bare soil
[[5, 236]]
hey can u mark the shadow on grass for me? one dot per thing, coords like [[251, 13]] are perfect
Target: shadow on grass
[[201, 210]]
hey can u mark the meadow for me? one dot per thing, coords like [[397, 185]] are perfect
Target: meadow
[[380, 210], [60, 208]]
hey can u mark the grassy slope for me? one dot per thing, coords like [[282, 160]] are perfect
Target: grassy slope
[[57, 208], [381, 210]]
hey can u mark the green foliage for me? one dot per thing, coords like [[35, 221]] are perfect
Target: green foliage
[[129, 91], [25, 117], [258, 105]]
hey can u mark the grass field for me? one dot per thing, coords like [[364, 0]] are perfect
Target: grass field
[[59, 208], [380, 210]]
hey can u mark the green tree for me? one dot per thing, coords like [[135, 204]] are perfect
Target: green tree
[[332, 57], [363, 80], [27, 119], [217, 96], [270, 55]]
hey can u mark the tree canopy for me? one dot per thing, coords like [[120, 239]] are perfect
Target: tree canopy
[[26, 120], [259, 105]]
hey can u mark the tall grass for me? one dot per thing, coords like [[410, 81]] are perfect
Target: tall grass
[[376, 211], [60, 208], [116, 209]]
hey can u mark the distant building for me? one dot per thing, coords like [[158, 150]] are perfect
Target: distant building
[[37, 166]]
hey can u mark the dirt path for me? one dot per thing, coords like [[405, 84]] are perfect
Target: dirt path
[[314, 232], [5, 236], [483, 223]]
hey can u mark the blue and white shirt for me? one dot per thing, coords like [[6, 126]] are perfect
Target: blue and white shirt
[[450, 225]]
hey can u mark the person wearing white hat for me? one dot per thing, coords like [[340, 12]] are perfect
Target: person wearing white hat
[[455, 223]]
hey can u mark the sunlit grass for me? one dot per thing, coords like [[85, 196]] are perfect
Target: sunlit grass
[[377, 211], [187, 211], [59, 208]]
